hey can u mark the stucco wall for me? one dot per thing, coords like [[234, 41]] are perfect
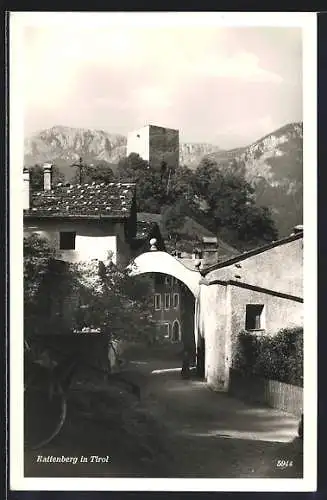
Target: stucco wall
[[93, 240], [278, 313], [222, 311], [212, 324], [138, 142], [279, 269]]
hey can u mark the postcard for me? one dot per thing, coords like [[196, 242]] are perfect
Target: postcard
[[163, 331]]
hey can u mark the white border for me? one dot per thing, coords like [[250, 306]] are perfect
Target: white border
[[18, 20]]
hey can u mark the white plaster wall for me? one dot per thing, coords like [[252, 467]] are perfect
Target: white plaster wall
[[279, 269], [278, 312], [92, 241], [26, 191], [213, 325], [139, 145]]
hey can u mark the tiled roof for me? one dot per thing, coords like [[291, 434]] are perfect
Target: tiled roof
[[84, 200], [190, 227]]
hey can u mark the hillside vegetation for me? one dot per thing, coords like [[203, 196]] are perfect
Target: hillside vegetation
[[267, 175]]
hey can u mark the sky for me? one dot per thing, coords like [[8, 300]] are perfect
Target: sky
[[223, 85]]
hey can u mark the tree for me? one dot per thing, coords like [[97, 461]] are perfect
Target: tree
[[114, 302], [151, 183], [99, 172], [173, 220], [99, 295], [130, 169], [232, 207], [37, 255]]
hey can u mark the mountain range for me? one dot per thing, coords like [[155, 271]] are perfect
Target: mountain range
[[272, 164], [65, 145]]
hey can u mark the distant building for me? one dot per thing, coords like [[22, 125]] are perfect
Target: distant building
[[167, 307], [202, 244], [83, 221], [156, 145]]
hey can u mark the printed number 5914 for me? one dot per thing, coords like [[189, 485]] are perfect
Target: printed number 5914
[[284, 463]]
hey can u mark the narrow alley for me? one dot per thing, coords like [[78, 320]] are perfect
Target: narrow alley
[[206, 434]]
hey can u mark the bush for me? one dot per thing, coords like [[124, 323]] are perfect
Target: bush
[[278, 357]]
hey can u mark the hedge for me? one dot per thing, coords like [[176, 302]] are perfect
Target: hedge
[[275, 357]]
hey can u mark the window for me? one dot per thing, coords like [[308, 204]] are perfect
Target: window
[[167, 300], [254, 317], [167, 280], [176, 300], [176, 333], [157, 301], [67, 240], [163, 330]]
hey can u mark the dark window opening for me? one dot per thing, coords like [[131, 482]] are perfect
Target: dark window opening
[[157, 301], [254, 317], [67, 240], [176, 332]]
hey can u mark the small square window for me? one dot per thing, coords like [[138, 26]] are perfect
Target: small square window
[[167, 300], [254, 317], [67, 240], [166, 330], [163, 330], [157, 301]]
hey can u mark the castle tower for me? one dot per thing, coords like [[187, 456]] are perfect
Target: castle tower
[[157, 145]]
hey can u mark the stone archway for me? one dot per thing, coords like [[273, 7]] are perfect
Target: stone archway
[[156, 261], [164, 263]]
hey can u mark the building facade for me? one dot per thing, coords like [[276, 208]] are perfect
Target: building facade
[[83, 221], [173, 311], [260, 292], [156, 145]]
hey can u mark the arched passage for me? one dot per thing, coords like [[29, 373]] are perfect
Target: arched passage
[[154, 262], [162, 262]]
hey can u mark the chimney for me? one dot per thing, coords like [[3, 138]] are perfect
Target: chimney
[[210, 248], [26, 188], [298, 229], [47, 176]]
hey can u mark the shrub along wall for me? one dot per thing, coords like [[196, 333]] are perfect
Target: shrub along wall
[[269, 370], [278, 357]]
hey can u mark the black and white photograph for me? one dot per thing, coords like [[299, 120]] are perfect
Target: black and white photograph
[[162, 172]]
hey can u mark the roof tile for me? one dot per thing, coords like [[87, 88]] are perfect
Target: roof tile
[[109, 199]]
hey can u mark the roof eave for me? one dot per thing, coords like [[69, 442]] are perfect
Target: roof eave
[[31, 215], [251, 253]]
